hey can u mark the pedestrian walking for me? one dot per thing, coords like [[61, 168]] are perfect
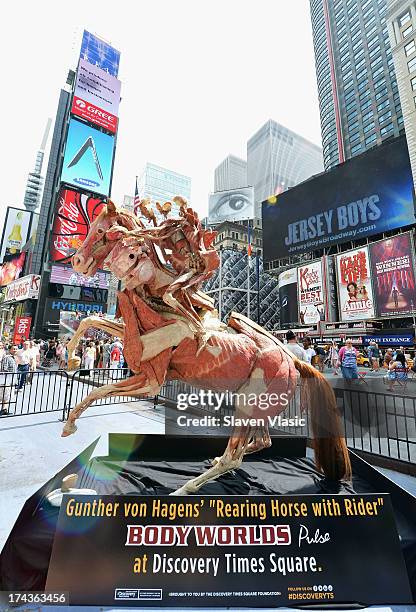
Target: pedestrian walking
[[23, 359], [294, 347], [334, 357], [348, 361], [8, 368], [89, 356], [309, 351], [106, 354], [115, 359]]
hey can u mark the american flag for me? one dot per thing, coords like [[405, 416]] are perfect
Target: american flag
[[136, 200]]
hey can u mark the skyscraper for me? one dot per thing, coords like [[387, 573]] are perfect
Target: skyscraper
[[401, 18], [35, 180], [231, 173], [278, 159], [358, 94], [161, 185]]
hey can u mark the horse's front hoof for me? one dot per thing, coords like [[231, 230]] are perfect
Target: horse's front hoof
[[68, 429], [180, 492]]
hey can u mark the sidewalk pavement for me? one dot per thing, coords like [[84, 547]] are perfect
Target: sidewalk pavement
[[32, 450]]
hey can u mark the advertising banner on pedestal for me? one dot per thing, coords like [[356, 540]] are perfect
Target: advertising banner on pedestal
[[310, 293], [288, 297], [21, 329], [356, 302], [393, 276], [228, 551]]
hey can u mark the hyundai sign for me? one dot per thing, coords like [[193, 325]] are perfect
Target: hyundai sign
[[367, 195], [88, 158]]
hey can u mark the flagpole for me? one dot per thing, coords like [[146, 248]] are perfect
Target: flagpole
[[248, 269]]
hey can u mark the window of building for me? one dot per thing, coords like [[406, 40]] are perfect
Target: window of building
[[362, 84], [369, 127], [353, 126], [376, 61], [356, 149], [347, 94], [404, 19], [370, 139], [361, 74], [410, 48], [383, 105], [385, 130], [374, 51], [372, 42], [413, 83], [360, 63], [407, 31], [364, 94], [400, 120], [367, 116], [357, 44], [343, 48], [381, 93], [384, 117], [412, 64], [351, 105], [370, 22], [371, 31], [352, 116], [345, 66], [366, 105], [379, 83], [355, 137], [377, 72]]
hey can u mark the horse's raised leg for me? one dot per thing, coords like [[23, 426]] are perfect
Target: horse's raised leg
[[134, 386], [230, 460], [111, 327]]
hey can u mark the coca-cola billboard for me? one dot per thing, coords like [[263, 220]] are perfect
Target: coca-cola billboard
[[73, 216]]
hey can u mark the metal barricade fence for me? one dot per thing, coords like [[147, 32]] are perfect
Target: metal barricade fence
[[22, 394]]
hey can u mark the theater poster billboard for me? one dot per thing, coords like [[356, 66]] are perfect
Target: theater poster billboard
[[355, 293], [288, 298], [393, 276], [311, 293], [369, 194], [73, 216]]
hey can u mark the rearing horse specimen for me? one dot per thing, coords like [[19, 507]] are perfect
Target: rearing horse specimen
[[170, 331]]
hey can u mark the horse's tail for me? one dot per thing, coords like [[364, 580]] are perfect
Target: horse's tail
[[331, 452]]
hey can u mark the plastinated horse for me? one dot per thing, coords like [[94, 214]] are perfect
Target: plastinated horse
[[170, 331]]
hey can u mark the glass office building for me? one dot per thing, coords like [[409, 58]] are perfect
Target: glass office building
[[358, 93], [161, 185]]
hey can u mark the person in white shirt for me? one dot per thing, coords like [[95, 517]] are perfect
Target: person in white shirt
[[24, 359], [294, 347], [309, 351]]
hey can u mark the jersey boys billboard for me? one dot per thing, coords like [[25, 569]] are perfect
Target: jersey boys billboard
[[310, 293], [88, 159], [367, 195], [355, 293], [74, 214], [393, 276]]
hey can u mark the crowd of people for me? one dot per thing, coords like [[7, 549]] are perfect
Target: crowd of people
[[344, 358], [18, 362]]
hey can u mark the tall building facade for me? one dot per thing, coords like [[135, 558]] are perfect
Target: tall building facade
[[278, 159], [357, 87], [231, 173], [161, 185], [34, 183], [401, 18]]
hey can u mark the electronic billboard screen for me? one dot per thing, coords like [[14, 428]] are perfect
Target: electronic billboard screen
[[88, 159], [367, 195], [99, 53]]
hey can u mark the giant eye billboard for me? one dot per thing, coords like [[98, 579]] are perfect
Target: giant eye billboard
[[88, 159], [367, 195], [231, 205]]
